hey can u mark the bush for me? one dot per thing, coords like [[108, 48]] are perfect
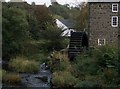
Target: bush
[[102, 63], [60, 62], [52, 38], [63, 79], [86, 84], [106, 56], [30, 47], [22, 64], [86, 65], [10, 78], [39, 57], [110, 74]]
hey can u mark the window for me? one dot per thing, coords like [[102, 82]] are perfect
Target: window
[[114, 21], [114, 7], [101, 42]]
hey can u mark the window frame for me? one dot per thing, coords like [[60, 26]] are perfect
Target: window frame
[[99, 44], [114, 7], [113, 21]]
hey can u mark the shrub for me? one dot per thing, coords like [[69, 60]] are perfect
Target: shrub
[[52, 38], [63, 79], [110, 74], [59, 62], [86, 65], [10, 78], [86, 84], [106, 56], [22, 64], [39, 57]]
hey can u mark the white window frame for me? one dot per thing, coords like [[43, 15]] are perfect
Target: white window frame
[[113, 21], [114, 7], [100, 43]]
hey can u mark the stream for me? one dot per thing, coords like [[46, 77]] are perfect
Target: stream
[[41, 80]]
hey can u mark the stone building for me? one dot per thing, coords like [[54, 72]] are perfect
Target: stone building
[[104, 23]]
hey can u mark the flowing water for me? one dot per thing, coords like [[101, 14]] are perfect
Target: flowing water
[[41, 80]]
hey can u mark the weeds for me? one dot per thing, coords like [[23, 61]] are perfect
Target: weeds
[[22, 64], [10, 78]]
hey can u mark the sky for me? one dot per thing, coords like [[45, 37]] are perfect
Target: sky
[[48, 2]]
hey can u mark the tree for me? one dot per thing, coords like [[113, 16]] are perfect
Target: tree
[[52, 38], [43, 16], [61, 10], [64, 11], [82, 19], [15, 30], [38, 19]]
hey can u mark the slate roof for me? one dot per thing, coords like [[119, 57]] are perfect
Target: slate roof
[[68, 22]]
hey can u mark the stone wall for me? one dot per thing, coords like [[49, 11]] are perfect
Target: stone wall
[[100, 24]]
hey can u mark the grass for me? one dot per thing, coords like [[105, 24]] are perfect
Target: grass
[[63, 79], [62, 71], [10, 78], [0, 74], [22, 64], [59, 62], [96, 69]]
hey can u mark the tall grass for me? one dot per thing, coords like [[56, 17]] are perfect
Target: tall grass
[[22, 64], [63, 79], [62, 71], [10, 78]]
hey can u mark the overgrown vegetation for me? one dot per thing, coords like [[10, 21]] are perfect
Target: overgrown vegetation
[[26, 32], [10, 78], [97, 68], [29, 36], [22, 64], [62, 71], [63, 79], [35, 36]]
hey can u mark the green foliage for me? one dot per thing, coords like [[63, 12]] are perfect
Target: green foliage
[[43, 17], [59, 62], [86, 65], [64, 11], [39, 57], [99, 67], [88, 69], [110, 74], [22, 64], [62, 71], [30, 47], [33, 27], [20, 28], [58, 17], [106, 56], [58, 9], [82, 18], [63, 79], [52, 38], [15, 30], [87, 84]]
